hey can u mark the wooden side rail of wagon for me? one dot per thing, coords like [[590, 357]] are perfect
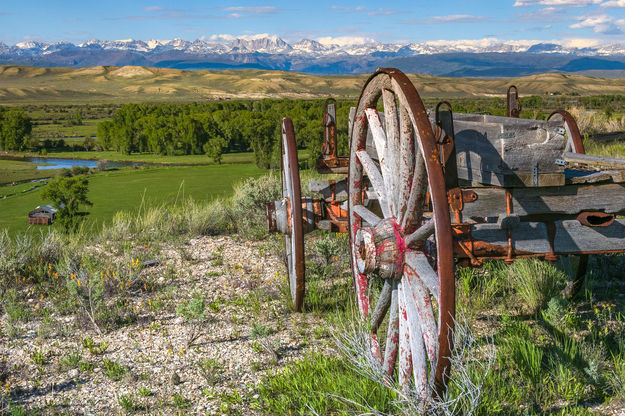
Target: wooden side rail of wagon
[[425, 191]]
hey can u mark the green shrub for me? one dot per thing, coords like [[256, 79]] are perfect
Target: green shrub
[[248, 204], [210, 369], [194, 309], [113, 369]]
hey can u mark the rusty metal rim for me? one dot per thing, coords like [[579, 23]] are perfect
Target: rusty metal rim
[[576, 137], [513, 111], [443, 234], [296, 267]]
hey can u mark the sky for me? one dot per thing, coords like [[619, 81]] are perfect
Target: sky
[[571, 22]]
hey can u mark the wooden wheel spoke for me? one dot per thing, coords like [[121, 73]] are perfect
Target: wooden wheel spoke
[[366, 215], [376, 180], [392, 334], [415, 205], [405, 356], [392, 143], [417, 349], [361, 282], [419, 301], [381, 307], [406, 162], [420, 266], [421, 234], [384, 154]]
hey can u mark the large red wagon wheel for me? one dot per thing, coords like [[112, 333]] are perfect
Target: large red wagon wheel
[[402, 261], [574, 144], [292, 195]]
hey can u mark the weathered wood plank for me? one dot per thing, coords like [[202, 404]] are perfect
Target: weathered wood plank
[[508, 152], [616, 176], [598, 161], [528, 236], [571, 237], [510, 179], [568, 199], [324, 187]]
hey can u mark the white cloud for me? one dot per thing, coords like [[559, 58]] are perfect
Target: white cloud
[[456, 18], [226, 37], [601, 23], [572, 3], [253, 10], [614, 3], [482, 43], [349, 9], [452, 18], [344, 40], [382, 11], [153, 9], [581, 43]]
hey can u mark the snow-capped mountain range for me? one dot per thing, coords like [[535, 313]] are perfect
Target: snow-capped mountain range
[[455, 58], [274, 45]]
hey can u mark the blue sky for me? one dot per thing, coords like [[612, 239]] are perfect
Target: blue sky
[[570, 21]]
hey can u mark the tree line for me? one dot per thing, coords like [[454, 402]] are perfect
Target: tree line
[[15, 129], [218, 127]]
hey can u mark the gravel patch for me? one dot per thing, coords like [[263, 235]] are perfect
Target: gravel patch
[[248, 330]]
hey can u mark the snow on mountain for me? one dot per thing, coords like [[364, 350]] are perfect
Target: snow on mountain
[[274, 45], [269, 44]]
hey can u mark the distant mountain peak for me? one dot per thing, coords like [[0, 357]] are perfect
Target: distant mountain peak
[[325, 55]]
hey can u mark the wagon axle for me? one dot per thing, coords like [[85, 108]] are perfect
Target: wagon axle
[[381, 249]]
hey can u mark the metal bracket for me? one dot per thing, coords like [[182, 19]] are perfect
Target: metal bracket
[[561, 162], [535, 174], [560, 131], [457, 197]]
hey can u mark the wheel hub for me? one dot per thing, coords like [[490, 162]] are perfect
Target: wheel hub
[[381, 249]]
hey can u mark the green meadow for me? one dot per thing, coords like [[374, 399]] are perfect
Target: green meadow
[[131, 189]]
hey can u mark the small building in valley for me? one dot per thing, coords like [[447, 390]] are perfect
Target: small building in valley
[[44, 215]]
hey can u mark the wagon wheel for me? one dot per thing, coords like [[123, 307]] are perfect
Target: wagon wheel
[[291, 191], [406, 252], [576, 145]]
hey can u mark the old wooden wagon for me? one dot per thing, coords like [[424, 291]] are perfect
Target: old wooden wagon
[[425, 191]]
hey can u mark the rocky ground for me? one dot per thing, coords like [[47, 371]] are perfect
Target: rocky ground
[[164, 362]]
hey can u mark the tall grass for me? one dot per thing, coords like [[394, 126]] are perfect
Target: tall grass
[[535, 281]]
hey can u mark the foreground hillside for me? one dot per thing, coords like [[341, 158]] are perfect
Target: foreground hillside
[[190, 313], [22, 84]]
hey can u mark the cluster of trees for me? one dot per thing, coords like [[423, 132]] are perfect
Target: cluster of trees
[[15, 129], [218, 127]]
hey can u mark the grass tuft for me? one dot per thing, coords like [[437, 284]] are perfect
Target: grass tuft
[[535, 281]]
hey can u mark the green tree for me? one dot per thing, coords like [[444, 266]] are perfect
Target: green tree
[[77, 120], [16, 129], [68, 194], [215, 147]]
